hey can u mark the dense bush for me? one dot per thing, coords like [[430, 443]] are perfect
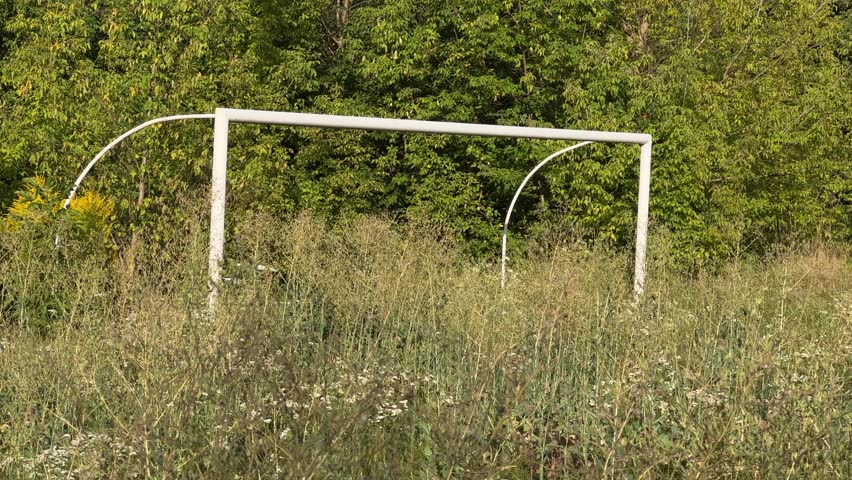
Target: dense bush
[[749, 106]]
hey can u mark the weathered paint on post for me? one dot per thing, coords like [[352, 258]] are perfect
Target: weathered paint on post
[[218, 190], [642, 218]]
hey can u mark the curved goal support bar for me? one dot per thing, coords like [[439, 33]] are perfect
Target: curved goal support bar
[[118, 140], [515, 199]]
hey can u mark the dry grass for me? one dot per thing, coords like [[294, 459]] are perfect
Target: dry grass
[[378, 353]]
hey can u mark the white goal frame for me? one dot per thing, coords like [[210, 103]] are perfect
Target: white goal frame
[[223, 117]]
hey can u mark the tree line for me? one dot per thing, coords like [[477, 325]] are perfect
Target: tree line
[[749, 103]]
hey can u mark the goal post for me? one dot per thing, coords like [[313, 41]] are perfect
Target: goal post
[[225, 116]]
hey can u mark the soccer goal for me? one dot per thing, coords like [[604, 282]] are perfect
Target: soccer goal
[[223, 117]]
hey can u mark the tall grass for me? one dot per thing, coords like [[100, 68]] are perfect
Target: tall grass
[[370, 351]]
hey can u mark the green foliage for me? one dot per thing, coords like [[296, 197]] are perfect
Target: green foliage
[[749, 106], [79, 73], [753, 113]]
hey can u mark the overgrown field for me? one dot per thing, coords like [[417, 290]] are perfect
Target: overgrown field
[[377, 352]]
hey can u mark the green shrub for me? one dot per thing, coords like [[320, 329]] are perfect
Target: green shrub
[[38, 207]]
